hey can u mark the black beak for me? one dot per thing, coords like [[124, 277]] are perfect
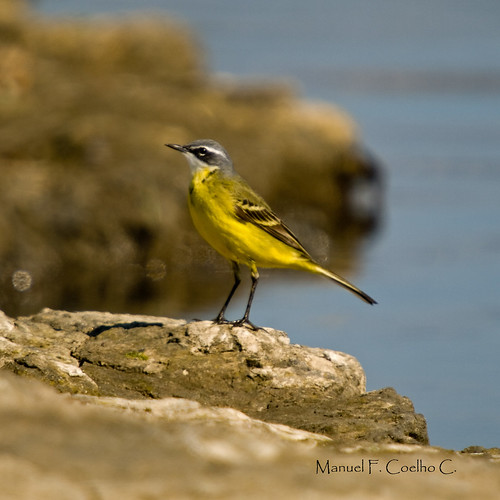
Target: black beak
[[177, 147]]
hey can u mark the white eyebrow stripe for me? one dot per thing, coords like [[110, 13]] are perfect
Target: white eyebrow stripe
[[212, 155], [211, 150]]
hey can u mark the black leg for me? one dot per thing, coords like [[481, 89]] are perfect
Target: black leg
[[237, 280], [245, 321]]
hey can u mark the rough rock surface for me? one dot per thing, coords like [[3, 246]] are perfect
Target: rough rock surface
[[59, 446], [259, 373]]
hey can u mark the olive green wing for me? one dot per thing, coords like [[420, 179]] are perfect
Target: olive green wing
[[250, 207]]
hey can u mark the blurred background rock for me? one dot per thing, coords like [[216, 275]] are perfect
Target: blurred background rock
[[93, 206]]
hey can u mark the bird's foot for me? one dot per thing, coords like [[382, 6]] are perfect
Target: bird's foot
[[245, 322]]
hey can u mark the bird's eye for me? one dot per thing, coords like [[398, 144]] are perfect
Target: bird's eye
[[202, 152]]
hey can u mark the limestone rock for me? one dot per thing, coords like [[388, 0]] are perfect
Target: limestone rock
[[259, 373], [57, 447]]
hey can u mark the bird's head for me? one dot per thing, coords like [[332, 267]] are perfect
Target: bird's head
[[205, 153]]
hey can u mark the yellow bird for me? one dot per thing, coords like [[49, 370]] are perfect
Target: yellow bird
[[240, 225]]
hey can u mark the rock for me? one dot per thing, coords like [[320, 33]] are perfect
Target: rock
[[259, 373], [150, 407], [114, 448], [58, 446]]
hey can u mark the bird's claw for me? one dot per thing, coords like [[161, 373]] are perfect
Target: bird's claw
[[244, 322]]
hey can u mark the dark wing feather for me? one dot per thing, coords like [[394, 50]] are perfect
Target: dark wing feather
[[264, 218]]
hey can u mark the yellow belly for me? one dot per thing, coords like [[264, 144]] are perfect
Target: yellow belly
[[212, 210]]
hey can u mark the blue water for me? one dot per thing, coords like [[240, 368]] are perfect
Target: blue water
[[422, 80]]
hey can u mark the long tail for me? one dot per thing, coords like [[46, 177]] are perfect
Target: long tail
[[316, 268]]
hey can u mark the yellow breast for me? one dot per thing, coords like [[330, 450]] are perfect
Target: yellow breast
[[212, 207]]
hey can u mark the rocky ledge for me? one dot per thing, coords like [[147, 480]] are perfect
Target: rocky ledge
[[161, 408], [259, 373]]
